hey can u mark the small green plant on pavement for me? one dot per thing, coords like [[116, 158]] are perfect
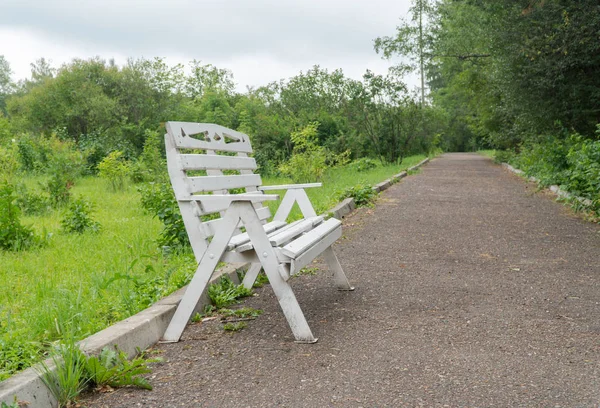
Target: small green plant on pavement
[[242, 313], [261, 280], [225, 292], [233, 327], [15, 404], [112, 368], [68, 379], [363, 195], [74, 372]]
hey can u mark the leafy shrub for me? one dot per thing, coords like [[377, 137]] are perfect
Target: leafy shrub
[[547, 161], [225, 292], [583, 175], [13, 235], [363, 195], [59, 188], [159, 200], [65, 165], [503, 156], [78, 218], [115, 169], [308, 161], [8, 162], [32, 203], [150, 166], [363, 164], [6, 130], [33, 153]]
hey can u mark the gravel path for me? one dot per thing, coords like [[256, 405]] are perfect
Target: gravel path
[[471, 290]]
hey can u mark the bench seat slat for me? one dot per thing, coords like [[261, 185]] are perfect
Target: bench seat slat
[[248, 245], [300, 245], [311, 253], [211, 227], [240, 239], [285, 236]]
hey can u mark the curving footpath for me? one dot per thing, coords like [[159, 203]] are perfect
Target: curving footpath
[[472, 289]]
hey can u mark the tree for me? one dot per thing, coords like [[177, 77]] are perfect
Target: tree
[[412, 39], [6, 84]]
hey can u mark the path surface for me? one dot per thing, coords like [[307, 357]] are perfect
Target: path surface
[[472, 290]]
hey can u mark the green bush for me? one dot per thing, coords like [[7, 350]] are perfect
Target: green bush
[[363, 195], [150, 166], [158, 199], [308, 161], [363, 164], [32, 203], [8, 162], [503, 156], [59, 188], [115, 169], [65, 165], [78, 219], [13, 235]]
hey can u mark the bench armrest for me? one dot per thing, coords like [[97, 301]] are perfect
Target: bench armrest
[[255, 198], [290, 186]]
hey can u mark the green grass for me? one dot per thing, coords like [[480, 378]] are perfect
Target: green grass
[[488, 153], [336, 181], [84, 283]]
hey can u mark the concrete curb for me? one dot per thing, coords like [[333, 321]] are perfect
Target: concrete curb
[[141, 330], [385, 184], [554, 188], [145, 328]]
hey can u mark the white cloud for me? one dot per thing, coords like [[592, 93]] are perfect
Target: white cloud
[[259, 40]]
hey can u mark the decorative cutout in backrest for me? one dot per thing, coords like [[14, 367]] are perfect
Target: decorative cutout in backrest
[[208, 136], [196, 173]]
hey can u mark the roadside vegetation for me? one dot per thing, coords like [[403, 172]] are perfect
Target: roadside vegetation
[[89, 230], [114, 259]]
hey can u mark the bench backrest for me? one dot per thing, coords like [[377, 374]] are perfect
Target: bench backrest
[[204, 158]]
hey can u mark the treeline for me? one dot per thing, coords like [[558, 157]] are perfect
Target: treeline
[[102, 107], [520, 76], [515, 72]]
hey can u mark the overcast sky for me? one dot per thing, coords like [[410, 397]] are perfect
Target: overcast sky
[[258, 40]]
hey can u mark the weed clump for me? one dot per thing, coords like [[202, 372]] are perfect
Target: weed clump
[[363, 195], [225, 292]]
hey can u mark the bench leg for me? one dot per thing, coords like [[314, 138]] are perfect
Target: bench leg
[[205, 270], [251, 275], [283, 291], [338, 273]]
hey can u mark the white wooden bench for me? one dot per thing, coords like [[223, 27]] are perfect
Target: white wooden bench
[[205, 161]]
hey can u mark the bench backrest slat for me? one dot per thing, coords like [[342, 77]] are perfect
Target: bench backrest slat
[[207, 136], [216, 162], [203, 184], [182, 141]]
